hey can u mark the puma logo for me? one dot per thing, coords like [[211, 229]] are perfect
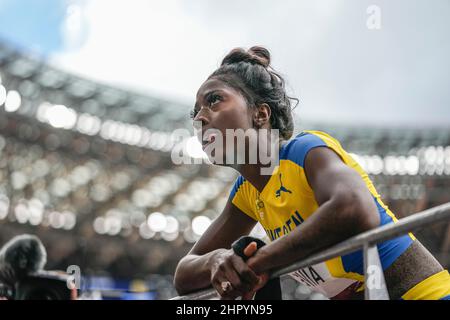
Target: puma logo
[[282, 189]]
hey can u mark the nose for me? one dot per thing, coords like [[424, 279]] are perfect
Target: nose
[[202, 117]]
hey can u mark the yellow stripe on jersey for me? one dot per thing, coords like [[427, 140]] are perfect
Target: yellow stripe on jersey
[[432, 288]]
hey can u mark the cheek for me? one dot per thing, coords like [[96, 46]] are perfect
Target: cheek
[[235, 117], [236, 120]]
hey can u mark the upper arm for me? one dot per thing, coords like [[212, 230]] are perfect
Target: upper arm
[[327, 174], [331, 179], [231, 224]]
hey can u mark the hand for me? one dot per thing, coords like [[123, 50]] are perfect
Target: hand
[[231, 276], [249, 251]]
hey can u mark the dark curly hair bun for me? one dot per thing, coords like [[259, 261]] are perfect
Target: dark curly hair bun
[[255, 55], [250, 72]]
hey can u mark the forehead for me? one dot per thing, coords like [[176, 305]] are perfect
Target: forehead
[[213, 84]]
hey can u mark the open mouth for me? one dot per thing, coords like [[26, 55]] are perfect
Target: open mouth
[[210, 139]]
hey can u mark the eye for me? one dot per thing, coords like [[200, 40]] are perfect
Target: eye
[[213, 99], [193, 113]]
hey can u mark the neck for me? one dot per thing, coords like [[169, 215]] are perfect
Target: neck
[[258, 174], [252, 173]]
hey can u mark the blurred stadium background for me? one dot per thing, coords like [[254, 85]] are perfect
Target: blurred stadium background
[[85, 164]]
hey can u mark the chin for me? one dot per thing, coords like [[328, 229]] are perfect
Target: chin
[[215, 161], [211, 154]]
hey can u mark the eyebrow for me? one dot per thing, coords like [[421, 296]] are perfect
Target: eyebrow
[[208, 93]]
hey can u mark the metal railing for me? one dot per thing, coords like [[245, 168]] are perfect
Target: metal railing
[[366, 241]]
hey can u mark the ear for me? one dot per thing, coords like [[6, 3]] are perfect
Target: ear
[[261, 116]]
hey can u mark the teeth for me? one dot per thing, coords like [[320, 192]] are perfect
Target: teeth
[[209, 139]]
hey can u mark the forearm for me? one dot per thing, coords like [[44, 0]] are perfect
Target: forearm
[[194, 272], [333, 222]]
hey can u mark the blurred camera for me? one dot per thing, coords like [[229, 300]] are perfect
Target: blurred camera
[[22, 276], [45, 285]]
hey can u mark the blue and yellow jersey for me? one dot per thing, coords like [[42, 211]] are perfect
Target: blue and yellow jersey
[[288, 200]]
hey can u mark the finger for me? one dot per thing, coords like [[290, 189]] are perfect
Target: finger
[[250, 249], [248, 295], [262, 280], [245, 273], [236, 278], [227, 288], [232, 294], [227, 274], [225, 293], [248, 280]]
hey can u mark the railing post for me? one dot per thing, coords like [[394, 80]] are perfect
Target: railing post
[[374, 282]]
